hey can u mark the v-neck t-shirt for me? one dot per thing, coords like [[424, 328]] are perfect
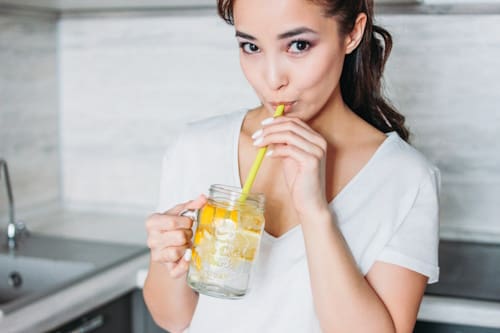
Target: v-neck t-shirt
[[387, 212]]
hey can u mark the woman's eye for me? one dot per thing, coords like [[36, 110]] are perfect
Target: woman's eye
[[299, 46], [249, 47]]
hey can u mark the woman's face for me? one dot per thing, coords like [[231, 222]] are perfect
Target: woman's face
[[290, 53]]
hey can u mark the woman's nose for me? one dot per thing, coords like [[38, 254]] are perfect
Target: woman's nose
[[276, 74]]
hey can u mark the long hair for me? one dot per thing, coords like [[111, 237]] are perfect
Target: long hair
[[361, 79]]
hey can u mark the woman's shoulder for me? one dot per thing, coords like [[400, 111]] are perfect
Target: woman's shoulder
[[405, 161], [220, 123], [218, 128]]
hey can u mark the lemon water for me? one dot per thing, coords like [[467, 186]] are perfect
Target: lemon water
[[225, 245]]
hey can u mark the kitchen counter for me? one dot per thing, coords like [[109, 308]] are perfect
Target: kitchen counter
[[51, 311], [468, 291], [469, 270]]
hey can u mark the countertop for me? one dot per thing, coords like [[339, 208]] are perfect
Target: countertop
[[51, 311], [56, 309]]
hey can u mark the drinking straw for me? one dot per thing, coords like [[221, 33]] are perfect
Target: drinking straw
[[257, 162]]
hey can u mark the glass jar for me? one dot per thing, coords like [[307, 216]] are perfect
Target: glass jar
[[227, 235]]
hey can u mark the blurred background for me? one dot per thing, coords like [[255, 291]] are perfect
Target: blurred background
[[92, 92]]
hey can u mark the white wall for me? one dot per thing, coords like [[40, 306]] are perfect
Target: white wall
[[128, 86], [444, 76], [130, 83]]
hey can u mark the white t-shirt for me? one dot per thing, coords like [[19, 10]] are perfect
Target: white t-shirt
[[387, 212]]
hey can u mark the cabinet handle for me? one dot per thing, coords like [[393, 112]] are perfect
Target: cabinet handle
[[88, 326]]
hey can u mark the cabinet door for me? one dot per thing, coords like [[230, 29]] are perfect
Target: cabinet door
[[114, 316], [142, 321], [429, 327]]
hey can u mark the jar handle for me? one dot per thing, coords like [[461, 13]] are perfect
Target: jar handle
[[193, 215]]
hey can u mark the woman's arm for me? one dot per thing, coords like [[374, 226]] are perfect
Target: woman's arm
[[387, 300], [169, 299]]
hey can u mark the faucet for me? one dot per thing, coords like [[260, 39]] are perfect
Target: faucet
[[14, 229]]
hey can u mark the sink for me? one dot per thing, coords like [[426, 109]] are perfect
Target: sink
[[43, 265], [21, 277]]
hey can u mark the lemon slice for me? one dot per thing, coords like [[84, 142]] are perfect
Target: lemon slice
[[246, 243]]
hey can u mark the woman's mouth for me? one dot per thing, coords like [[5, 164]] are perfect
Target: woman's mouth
[[288, 105]]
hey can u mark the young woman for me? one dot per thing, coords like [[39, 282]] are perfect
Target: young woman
[[351, 231]]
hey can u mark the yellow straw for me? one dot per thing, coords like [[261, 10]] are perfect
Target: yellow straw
[[258, 161]]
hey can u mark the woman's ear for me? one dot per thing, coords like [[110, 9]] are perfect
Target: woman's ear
[[353, 38]]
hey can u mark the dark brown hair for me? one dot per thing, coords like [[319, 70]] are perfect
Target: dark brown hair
[[361, 80]]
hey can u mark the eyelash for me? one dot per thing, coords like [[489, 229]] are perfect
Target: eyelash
[[308, 46], [245, 45]]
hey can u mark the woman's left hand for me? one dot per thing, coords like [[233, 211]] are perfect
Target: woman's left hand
[[303, 153]]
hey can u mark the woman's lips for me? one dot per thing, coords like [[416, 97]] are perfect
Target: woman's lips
[[288, 105]]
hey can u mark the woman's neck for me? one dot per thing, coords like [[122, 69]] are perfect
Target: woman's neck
[[335, 122]]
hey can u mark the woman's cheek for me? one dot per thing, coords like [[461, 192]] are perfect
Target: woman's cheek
[[252, 74]]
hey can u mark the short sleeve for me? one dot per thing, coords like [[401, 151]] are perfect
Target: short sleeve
[[170, 176], [415, 242]]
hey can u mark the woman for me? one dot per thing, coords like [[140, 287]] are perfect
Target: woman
[[351, 231]]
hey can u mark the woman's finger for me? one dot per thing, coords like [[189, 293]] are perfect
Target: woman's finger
[[179, 268], [197, 203], [177, 237], [167, 222], [172, 254], [304, 158], [290, 138], [170, 220], [160, 240], [292, 134], [282, 124]]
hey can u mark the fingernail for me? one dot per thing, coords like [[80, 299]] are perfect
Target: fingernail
[[267, 121], [257, 134], [258, 141], [269, 152], [187, 255]]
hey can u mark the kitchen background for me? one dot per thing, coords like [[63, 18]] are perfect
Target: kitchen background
[[93, 91], [90, 99]]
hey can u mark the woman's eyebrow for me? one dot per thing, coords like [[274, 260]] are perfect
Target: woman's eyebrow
[[244, 35], [284, 35], [295, 32]]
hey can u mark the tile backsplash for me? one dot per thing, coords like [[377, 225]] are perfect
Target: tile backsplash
[[128, 83], [29, 110], [444, 76]]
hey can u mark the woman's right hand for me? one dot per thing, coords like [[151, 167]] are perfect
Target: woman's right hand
[[169, 237]]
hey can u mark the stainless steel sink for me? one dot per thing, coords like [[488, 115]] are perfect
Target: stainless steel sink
[[42, 265], [24, 276], [33, 266]]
